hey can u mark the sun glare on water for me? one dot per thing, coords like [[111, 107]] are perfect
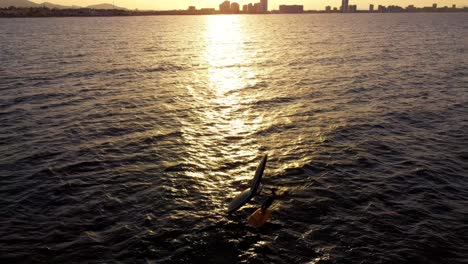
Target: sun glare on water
[[224, 127], [225, 54], [228, 73]]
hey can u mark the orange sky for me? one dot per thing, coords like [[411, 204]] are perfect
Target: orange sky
[[273, 4]]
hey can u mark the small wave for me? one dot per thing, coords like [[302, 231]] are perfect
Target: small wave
[[179, 167], [83, 166], [166, 68], [277, 100]]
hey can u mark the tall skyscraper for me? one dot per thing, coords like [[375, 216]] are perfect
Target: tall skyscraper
[[225, 7], [257, 8], [344, 6], [371, 8], [235, 8], [264, 6], [250, 8]]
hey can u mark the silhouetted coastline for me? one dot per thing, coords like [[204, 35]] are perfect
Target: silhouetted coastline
[[87, 12]]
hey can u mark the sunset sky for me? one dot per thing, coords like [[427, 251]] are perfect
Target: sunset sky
[[273, 4]]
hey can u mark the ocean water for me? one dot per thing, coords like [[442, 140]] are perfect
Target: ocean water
[[123, 139]]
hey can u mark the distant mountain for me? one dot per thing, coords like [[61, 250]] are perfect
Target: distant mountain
[[17, 3], [104, 6], [26, 3], [51, 6]]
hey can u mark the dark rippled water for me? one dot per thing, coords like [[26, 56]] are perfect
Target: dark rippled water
[[122, 139]]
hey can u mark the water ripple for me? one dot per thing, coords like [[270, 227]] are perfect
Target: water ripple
[[124, 145]]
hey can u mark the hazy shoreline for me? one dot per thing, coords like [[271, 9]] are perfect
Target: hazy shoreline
[[87, 12]]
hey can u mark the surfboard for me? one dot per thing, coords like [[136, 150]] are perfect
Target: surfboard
[[247, 194], [258, 218]]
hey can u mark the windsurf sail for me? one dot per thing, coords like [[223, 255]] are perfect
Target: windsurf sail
[[249, 193]]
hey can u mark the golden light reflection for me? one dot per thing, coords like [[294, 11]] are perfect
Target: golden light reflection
[[228, 71], [221, 129], [225, 56]]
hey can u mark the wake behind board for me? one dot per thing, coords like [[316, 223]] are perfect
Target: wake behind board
[[247, 194]]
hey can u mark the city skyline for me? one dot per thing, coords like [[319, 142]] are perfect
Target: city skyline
[[272, 5]]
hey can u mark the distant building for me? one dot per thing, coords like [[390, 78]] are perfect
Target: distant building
[[235, 8], [411, 8], [225, 7], [394, 9], [192, 9], [434, 6], [263, 6], [257, 8], [328, 9], [207, 11], [382, 9], [250, 9], [291, 9], [344, 6], [454, 6], [335, 9], [352, 8], [371, 8]]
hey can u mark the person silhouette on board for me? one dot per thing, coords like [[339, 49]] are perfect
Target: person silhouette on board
[[262, 214]]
